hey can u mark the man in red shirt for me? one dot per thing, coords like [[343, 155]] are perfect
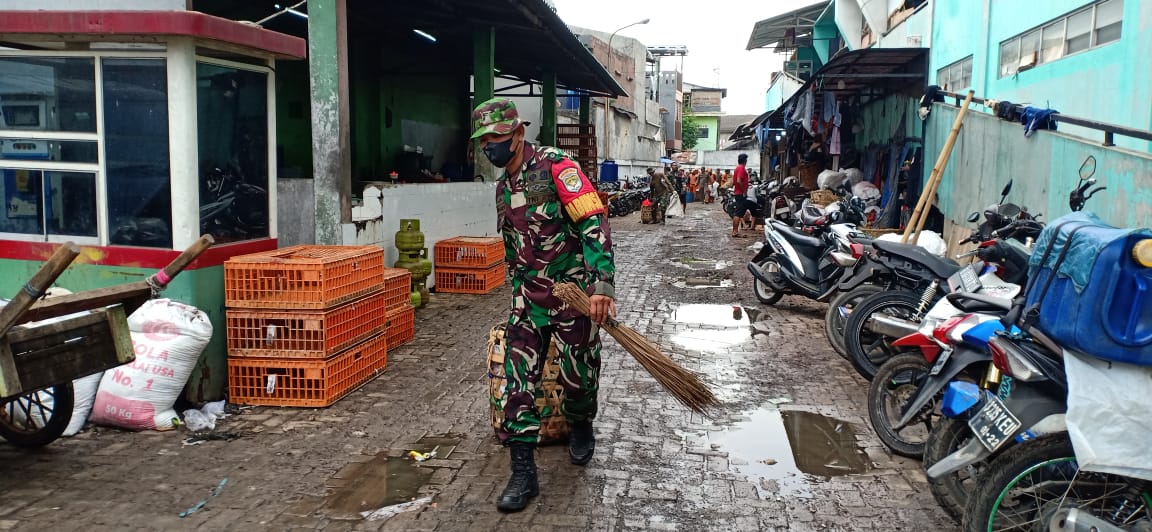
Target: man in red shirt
[[739, 193]]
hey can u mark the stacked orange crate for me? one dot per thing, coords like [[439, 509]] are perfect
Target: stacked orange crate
[[469, 265], [306, 324]]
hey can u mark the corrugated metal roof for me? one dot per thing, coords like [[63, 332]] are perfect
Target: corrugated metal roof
[[770, 31]]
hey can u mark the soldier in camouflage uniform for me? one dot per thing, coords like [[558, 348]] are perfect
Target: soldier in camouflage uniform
[[555, 229]]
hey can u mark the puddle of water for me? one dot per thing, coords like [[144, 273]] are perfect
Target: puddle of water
[[379, 482], [710, 341], [703, 282], [792, 449], [722, 315], [693, 263]]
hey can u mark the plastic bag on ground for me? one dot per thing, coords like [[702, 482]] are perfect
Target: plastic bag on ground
[[868, 192], [168, 338], [196, 421]]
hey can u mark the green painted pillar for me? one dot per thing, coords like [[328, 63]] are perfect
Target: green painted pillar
[[331, 152], [484, 63], [585, 109], [548, 111]]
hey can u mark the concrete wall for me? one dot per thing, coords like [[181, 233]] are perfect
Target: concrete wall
[[95, 5], [710, 142], [913, 32], [782, 88], [726, 159], [295, 217], [445, 210], [989, 152], [1083, 85]]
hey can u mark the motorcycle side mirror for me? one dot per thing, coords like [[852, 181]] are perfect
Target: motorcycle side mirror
[[1007, 189], [974, 217], [1088, 168]]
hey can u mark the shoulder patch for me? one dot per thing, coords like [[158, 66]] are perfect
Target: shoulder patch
[[570, 177]]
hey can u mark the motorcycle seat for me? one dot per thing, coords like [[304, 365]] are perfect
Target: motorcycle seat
[[794, 236], [941, 267]]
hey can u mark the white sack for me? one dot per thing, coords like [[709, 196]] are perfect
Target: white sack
[[168, 338], [854, 175], [830, 179], [929, 240], [868, 192], [1109, 423], [675, 208], [84, 392]]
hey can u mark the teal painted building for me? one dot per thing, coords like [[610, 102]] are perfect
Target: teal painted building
[[1085, 59]]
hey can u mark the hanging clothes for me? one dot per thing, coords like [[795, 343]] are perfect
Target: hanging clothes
[[1035, 118]]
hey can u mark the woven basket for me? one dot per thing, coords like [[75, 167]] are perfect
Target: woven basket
[[823, 197], [647, 214], [549, 394]]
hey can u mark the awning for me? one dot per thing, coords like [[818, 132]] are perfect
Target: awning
[[870, 69], [796, 24]]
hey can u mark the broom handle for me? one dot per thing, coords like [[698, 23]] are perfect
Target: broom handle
[[918, 218]]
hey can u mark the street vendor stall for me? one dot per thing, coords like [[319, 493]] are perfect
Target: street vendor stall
[[131, 133]]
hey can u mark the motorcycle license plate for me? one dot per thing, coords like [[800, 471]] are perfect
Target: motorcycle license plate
[[965, 280], [939, 365], [994, 425]]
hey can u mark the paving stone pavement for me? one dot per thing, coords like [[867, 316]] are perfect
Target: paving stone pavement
[[657, 466]]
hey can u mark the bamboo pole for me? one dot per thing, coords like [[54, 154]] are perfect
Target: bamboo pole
[[919, 216]]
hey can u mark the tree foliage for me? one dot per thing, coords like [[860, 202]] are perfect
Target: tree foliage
[[690, 128]]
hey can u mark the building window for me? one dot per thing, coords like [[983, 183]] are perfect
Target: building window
[[1095, 25], [48, 148], [232, 111], [956, 76], [702, 133], [138, 181]]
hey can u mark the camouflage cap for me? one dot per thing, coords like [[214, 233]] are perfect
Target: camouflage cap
[[497, 116]]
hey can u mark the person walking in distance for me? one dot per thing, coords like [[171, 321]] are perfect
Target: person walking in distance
[[661, 191], [678, 180], [555, 229], [739, 193]]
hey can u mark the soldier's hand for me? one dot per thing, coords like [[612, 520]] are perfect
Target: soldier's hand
[[603, 307]]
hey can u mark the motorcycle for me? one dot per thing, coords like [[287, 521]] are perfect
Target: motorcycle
[[809, 261], [881, 318]]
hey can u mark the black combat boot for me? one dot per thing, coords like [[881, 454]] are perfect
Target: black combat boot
[[581, 442], [522, 486]]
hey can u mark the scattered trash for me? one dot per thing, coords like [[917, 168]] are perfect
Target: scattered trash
[[768, 461], [205, 418], [420, 457], [201, 437], [200, 505], [389, 511], [779, 400], [756, 246], [359, 433]]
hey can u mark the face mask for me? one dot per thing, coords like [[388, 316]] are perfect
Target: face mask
[[499, 153]]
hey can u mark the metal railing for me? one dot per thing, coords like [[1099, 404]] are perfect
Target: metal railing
[[1110, 130]]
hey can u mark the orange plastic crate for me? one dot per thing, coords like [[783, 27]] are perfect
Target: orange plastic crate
[[397, 288], [460, 281], [305, 382], [469, 252], [401, 326], [303, 277], [304, 333]]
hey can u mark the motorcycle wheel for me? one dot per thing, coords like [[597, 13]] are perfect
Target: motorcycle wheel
[[894, 385], [951, 491], [765, 293], [834, 323], [868, 350], [38, 418], [1030, 482]]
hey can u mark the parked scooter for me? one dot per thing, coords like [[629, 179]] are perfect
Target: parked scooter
[[808, 261]]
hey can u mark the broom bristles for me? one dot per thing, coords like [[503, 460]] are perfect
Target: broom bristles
[[684, 385]]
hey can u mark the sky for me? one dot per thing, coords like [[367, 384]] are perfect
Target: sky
[[715, 32]]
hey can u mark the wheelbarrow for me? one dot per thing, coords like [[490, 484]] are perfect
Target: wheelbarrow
[[80, 334]]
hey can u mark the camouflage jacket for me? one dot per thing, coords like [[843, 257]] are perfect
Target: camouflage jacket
[[555, 229]]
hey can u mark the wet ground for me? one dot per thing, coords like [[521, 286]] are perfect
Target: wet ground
[[791, 450]]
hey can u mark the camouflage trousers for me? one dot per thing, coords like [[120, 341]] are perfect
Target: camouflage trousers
[[526, 346]]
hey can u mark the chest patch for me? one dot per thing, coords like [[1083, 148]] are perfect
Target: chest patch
[[538, 187]]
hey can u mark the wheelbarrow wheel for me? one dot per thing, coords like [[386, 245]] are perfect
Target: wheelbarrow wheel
[[38, 418]]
